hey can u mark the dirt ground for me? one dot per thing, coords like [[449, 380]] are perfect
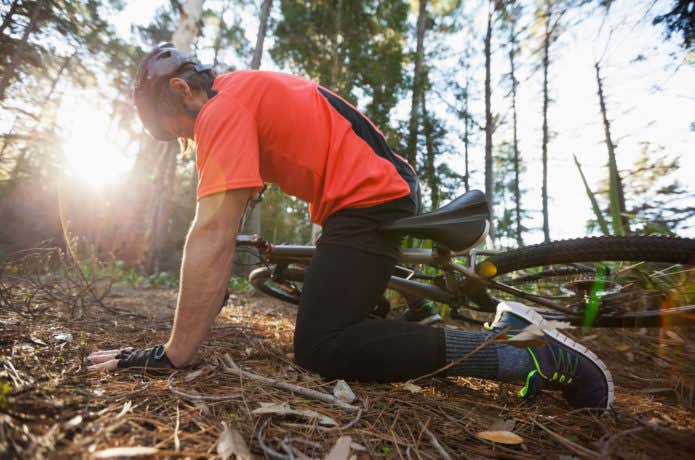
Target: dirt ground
[[50, 407]]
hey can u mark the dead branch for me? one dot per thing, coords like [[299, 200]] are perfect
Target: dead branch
[[232, 368]]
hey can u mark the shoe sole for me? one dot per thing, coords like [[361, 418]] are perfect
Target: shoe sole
[[532, 316]]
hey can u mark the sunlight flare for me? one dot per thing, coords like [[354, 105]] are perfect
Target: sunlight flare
[[94, 151]]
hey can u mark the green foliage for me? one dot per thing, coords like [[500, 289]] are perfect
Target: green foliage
[[507, 232], [680, 20], [5, 390], [592, 198], [659, 203], [284, 219], [239, 283], [354, 46], [136, 278]]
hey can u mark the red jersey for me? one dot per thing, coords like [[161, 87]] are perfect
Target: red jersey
[[274, 127]]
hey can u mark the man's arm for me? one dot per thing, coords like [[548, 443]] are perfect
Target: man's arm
[[205, 271]]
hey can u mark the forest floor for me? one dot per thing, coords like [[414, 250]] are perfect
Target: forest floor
[[50, 407]]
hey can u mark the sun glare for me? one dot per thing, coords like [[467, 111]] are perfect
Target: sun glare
[[94, 151]]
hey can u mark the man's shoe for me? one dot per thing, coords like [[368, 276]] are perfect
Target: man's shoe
[[426, 313], [562, 363]]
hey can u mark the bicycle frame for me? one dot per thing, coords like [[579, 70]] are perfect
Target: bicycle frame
[[454, 293]]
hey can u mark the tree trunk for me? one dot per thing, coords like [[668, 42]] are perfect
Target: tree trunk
[[13, 63], [249, 260], [489, 190], [430, 171], [160, 206], [217, 45], [466, 139], [515, 141], [187, 27], [335, 46], [260, 36], [411, 148], [617, 202], [546, 64], [7, 19]]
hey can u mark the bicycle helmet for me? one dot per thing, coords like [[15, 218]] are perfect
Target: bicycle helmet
[[160, 64]]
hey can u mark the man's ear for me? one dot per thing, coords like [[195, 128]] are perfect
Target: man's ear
[[180, 85]]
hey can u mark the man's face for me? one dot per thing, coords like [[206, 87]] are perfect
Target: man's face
[[181, 125]]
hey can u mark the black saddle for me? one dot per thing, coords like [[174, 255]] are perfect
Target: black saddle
[[458, 225]]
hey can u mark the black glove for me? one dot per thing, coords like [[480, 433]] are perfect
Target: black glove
[[148, 358]]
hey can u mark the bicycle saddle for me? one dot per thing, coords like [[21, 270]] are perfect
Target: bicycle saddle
[[458, 225]]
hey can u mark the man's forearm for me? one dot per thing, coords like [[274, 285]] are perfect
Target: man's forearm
[[205, 271]]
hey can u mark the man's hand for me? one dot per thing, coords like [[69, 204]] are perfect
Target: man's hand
[[146, 358]]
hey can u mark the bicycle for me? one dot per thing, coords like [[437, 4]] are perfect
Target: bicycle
[[610, 281]]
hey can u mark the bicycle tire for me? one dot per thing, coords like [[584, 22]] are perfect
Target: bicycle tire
[[261, 279], [595, 249], [649, 249]]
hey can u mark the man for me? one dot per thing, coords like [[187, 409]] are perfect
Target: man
[[252, 127]]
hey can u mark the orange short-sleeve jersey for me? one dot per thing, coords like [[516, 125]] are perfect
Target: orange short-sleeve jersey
[[274, 127]]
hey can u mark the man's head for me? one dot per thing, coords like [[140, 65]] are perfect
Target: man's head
[[170, 89]]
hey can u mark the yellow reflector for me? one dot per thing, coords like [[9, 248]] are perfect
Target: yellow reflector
[[487, 269]]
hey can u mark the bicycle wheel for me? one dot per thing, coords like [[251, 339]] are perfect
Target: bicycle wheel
[[279, 282], [606, 281]]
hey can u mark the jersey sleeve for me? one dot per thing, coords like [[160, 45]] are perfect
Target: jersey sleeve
[[227, 151]]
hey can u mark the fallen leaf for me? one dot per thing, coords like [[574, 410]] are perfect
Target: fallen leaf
[[411, 387], [24, 346], [285, 409], [622, 347], [341, 449], [590, 337], [127, 406], [231, 443], [343, 392], [191, 376], [357, 447], [501, 437], [75, 421], [672, 335], [530, 336], [661, 363], [37, 341], [129, 452], [502, 425], [62, 337], [630, 357]]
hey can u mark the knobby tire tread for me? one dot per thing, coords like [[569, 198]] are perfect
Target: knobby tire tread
[[595, 249]]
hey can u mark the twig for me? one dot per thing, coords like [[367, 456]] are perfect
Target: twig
[[232, 368], [269, 451], [196, 397], [435, 442], [606, 448], [574, 447]]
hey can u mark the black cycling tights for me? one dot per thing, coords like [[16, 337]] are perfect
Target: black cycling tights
[[334, 336]]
